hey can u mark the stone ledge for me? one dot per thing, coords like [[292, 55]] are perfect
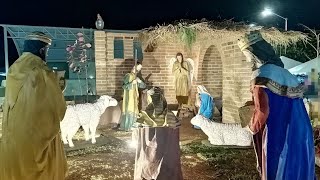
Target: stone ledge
[[1, 117]]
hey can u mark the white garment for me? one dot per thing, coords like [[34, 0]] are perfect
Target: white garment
[[223, 134]]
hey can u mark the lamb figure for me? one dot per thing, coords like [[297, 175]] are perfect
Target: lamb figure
[[85, 115], [222, 133]]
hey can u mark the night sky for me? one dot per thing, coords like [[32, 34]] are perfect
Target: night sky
[[138, 14]]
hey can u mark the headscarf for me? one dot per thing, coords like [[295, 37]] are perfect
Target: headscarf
[[262, 52], [134, 68], [35, 42], [158, 100], [268, 68], [265, 54], [202, 89], [207, 103]]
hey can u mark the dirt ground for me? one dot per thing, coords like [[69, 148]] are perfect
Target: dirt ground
[[115, 159], [112, 159]]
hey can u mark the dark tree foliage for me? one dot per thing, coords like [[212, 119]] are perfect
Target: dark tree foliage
[[301, 51]]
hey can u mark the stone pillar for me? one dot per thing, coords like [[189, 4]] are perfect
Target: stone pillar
[[100, 61], [236, 82]]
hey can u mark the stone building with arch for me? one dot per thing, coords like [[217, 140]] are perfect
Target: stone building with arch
[[219, 64]]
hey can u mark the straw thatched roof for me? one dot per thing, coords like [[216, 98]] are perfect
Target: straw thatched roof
[[190, 32]]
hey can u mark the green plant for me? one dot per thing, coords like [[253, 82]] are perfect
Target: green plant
[[188, 36], [300, 51]]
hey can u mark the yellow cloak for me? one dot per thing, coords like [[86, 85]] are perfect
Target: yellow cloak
[[31, 148], [181, 74]]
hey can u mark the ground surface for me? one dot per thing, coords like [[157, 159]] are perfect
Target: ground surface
[[112, 159]]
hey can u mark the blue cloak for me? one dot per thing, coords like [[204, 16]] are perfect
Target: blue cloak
[[288, 143], [206, 107]]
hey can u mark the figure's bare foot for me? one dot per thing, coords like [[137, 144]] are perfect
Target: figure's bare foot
[[65, 141], [116, 127], [71, 145]]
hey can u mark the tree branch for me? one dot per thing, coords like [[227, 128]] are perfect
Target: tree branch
[[311, 30], [317, 49], [305, 54], [312, 45]]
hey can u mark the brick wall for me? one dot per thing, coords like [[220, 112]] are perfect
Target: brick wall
[[1, 119], [158, 63], [220, 67], [110, 71], [101, 63], [211, 75], [236, 81]]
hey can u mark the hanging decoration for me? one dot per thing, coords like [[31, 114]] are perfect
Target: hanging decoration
[[77, 58], [77, 54]]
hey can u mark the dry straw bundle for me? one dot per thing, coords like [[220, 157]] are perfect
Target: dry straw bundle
[[190, 32]]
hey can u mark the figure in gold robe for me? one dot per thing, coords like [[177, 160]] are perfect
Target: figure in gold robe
[[130, 109], [31, 148], [181, 71]]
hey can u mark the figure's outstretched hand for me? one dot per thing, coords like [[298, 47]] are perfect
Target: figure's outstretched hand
[[138, 80], [145, 91]]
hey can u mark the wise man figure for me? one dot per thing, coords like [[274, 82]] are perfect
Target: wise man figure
[[280, 124], [130, 104], [181, 71], [31, 147]]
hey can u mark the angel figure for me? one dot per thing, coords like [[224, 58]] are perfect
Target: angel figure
[[182, 71]]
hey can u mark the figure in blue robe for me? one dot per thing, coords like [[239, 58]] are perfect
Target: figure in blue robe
[[280, 125], [206, 108]]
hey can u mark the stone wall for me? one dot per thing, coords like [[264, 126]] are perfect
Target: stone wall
[[110, 71], [211, 71], [220, 67], [1, 117], [236, 81]]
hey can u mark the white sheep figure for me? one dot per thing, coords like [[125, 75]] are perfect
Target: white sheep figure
[[85, 115], [223, 133]]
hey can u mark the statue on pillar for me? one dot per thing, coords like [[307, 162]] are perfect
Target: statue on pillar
[[99, 22]]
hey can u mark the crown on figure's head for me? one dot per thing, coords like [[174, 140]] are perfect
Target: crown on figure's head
[[39, 36], [249, 38]]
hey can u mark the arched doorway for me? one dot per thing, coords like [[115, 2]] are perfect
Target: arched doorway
[[212, 71]]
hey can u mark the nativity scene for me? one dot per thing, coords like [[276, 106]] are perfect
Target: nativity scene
[[154, 114]]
